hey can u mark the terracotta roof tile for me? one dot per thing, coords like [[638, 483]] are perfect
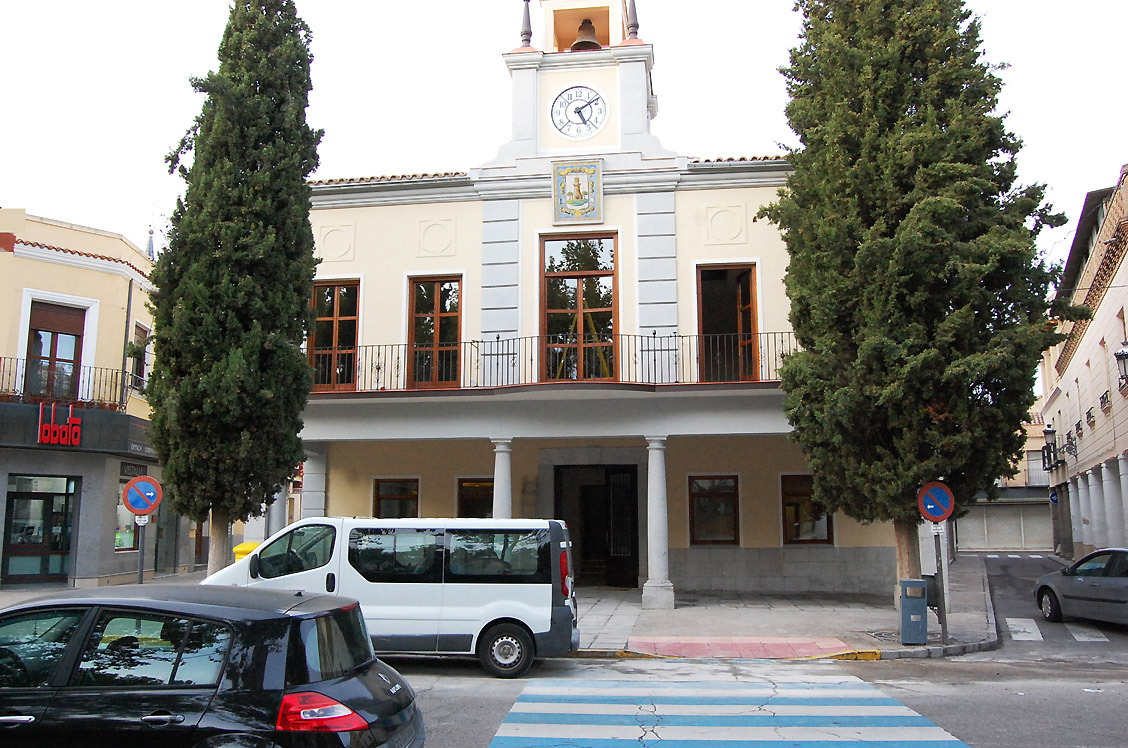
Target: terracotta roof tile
[[398, 178]]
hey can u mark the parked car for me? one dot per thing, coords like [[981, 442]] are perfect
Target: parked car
[[181, 665], [498, 589], [1095, 587]]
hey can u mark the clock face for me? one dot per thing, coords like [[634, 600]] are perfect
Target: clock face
[[579, 112]]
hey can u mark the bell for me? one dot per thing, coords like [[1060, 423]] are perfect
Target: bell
[[586, 39]]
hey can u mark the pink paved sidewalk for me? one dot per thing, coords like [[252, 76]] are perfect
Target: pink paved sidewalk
[[742, 647]]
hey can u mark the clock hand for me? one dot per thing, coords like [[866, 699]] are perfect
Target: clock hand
[[580, 114]]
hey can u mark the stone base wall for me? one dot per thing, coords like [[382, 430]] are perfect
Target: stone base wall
[[783, 570]]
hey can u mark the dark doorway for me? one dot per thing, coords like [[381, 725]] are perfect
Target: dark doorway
[[600, 504], [729, 347]]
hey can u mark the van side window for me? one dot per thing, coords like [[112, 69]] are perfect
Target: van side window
[[500, 557], [395, 555], [304, 548]]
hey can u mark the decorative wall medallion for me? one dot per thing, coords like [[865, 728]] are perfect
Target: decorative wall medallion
[[336, 243], [577, 192], [436, 238], [725, 225]]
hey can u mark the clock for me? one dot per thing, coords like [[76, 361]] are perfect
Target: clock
[[579, 112]]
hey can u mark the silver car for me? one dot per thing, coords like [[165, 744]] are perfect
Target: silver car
[[1095, 587]]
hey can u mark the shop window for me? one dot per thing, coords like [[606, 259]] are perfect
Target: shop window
[[475, 497], [714, 515], [125, 536], [396, 498], [804, 521], [578, 289], [332, 344]]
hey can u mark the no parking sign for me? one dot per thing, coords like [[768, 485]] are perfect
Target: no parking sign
[[936, 502], [142, 495]]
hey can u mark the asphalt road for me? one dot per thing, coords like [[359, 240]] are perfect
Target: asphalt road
[[1054, 691]]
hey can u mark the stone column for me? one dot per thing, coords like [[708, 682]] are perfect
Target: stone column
[[1086, 512], [1097, 508], [1075, 513], [1114, 503], [503, 479], [314, 482], [657, 591]]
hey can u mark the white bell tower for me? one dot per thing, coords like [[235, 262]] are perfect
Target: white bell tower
[[588, 93]]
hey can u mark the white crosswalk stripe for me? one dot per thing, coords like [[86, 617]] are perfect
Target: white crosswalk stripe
[[807, 712], [1084, 633], [1024, 629]]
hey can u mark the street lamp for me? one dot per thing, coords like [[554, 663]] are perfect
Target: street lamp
[[1122, 362], [1049, 452]]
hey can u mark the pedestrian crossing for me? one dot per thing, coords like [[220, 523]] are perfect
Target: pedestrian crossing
[[1029, 630], [807, 711]]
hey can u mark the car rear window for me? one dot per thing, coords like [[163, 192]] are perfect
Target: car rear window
[[329, 646]]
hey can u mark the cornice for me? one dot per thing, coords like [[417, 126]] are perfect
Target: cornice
[[83, 261]]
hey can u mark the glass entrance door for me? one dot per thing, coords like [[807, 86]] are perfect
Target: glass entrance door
[[37, 530]]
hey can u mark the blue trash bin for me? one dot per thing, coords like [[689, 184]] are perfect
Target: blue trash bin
[[914, 611]]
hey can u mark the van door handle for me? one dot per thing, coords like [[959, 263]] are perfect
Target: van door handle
[[330, 582]]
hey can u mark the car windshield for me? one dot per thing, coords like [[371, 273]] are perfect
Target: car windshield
[[329, 646]]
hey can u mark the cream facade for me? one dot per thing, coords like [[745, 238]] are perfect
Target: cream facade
[[74, 422], [588, 327], [1086, 409]]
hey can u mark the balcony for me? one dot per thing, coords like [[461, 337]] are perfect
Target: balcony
[[623, 359], [44, 381]]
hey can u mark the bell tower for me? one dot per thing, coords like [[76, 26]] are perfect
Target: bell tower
[[587, 93]]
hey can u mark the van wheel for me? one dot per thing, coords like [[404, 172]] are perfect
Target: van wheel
[[506, 651]]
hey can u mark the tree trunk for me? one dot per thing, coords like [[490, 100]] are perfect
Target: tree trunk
[[908, 549], [219, 541]]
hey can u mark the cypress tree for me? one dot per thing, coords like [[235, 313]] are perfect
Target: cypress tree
[[917, 293], [233, 289]]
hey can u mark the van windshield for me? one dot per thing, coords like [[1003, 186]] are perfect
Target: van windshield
[[329, 646]]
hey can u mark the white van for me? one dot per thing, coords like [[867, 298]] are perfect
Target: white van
[[500, 589]]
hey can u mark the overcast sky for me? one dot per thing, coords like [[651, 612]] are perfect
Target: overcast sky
[[93, 95]]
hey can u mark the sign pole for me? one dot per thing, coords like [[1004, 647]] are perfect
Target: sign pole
[[141, 554], [942, 602]]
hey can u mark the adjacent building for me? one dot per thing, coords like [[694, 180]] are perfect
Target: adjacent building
[[74, 424], [1086, 407], [588, 327]]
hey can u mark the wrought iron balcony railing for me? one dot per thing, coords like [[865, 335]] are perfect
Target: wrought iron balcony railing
[[38, 380], [627, 359]]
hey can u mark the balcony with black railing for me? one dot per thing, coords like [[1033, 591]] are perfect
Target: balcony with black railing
[[42, 380], [624, 359]]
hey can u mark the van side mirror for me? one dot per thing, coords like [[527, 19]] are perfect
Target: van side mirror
[[1065, 572], [253, 565]]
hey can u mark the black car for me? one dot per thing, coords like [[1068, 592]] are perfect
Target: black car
[[197, 667]]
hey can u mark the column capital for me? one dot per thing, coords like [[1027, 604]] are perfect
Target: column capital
[[502, 445], [656, 442]]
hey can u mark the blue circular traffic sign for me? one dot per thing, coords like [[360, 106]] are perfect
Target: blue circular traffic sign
[[936, 502], [142, 495]]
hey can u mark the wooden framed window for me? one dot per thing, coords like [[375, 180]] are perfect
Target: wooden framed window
[[436, 328], [395, 498], [332, 345], [714, 510], [804, 521], [578, 315], [54, 350], [475, 497]]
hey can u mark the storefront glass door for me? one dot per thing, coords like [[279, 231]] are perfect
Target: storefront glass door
[[37, 529]]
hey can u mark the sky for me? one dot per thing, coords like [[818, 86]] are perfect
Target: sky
[[94, 95]]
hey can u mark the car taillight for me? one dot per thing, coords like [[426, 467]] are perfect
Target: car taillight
[[308, 711], [564, 574]]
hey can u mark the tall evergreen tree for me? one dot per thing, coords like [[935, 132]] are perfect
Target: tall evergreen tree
[[916, 291], [231, 307]]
